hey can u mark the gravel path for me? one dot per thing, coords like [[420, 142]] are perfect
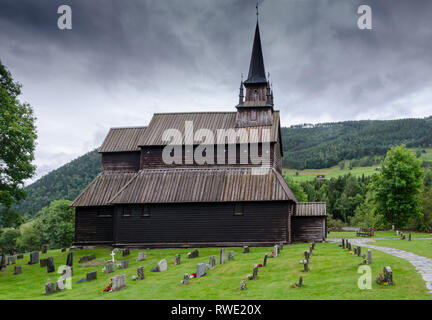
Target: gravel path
[[422, 264]]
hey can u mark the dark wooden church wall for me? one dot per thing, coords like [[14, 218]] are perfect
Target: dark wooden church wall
[[151, 157], [94, 224], [205, 223], [306, 229], [121, 161]]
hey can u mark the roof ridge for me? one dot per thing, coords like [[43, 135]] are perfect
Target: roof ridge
[[193, 112], [132, 127]]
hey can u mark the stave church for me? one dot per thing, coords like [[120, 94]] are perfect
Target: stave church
[[141, 200]]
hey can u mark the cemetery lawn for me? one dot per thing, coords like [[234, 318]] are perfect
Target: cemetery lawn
[[333, 275], [378, 234], [419, 247]]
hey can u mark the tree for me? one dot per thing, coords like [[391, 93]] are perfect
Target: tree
[[397, 186], [10, 218], [55, 224], [297, 189], [17, 140], [427, 180], [8, 240]]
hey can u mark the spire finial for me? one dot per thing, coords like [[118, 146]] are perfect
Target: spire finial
[[257, 13]]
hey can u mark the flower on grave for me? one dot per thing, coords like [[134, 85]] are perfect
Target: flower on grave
[[193, 275], [79, 261], [343, 247], [107, 289], [28, 262], [259, 265]]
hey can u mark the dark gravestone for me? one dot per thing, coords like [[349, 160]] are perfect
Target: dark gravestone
[[17, 270], [359, 251], [246, 249], [343, 242], [281, 245], [369, 252], [300, 283], [310, 251], [125, 252], [193, 254], [69, 259], [49, 288], [242, 285], [255, 272], [355, 250], [91, 276], [124, 264], [3, 262], [313, 245], [222, 256], [265, 260], [87, 258], [63, 249], [155, 269], [43, 262], [140, 273], [409, 236], [212, 262], [20, 256], [34, 257], [306, 255], [306, 266], [230, 255], [44, 248], [50, 265], [177, 259]]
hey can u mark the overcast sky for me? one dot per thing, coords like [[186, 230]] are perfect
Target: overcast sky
[[124, 60]]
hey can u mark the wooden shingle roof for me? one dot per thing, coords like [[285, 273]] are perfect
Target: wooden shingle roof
[[311, 209], [122, 139], [102, 188], [203, 120], [204, 185]]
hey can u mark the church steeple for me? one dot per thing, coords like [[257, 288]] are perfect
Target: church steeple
[[256, 68]]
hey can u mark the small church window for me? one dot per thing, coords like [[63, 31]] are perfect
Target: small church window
[[127, 211], [238, 209], [104, 211]]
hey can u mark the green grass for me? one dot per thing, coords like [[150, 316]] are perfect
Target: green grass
[[333, 275], [333, 172], [377, 234], [424, 156], [420, 247]]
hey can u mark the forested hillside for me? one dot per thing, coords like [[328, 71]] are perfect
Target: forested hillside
[[65, 182], [325, 145], [322, 146]]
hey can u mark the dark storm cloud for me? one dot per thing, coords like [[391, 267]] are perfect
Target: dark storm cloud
[[124, 60]]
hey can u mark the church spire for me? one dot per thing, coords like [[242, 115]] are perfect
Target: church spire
[[256, 67]]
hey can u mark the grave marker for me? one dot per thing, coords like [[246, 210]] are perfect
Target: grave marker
[[275, 251], [177, 259], [230, 255], [50, 265], [140, 273], [109, 267], [118, 282], [141, 256], [212, 262], [409, 236], [193, 254], [44, 248], [17, 269], [69, 259], [388, 275], [255, 272], [125, 252], [12, 260], [87, 258], [201, 269], [43, 262], [246, 249], [3, 262], [242, 285], [186, 278], [359, 251], [369, 252], [222, 256], [49, 288], [265, 260], [34, 257], [91, 276], [124, 264], [162, 265], [305, 265]]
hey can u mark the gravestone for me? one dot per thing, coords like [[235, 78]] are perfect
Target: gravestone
[[177, 259], [87, 258], [313, 245], [409, 236], [109, 267], [124, 264], [186, 278], [43, 262], [3, 262], [60, 285], [246, 249], [44, 248], [230, 255], [300, 283], [63, 249], [255, 272], [306, 266], [12, 260], [50, 265], [193, 254], [277, 247], [49, 288], [155, 269], [242, 285], [369, 252], [69, 259], [212, 262], [118, 282], [306, 254], [20, 256], [281, 246], [222, 256], [310, 251], [141, 256], [388, 275], [355, 250], [265, 260], [17, 269], [34, 257], [359, 251], [343, 242], [91, 276], [201, 269], [275, 251], [140, 273], [163, 265], [125, 252]]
